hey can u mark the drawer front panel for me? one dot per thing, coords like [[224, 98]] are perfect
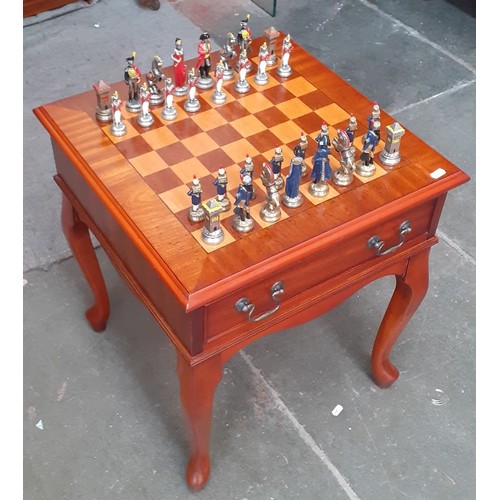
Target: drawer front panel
[[314, 269]]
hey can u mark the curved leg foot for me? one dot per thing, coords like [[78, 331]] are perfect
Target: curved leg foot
[[408, 294], [197, 387], [78, 237]]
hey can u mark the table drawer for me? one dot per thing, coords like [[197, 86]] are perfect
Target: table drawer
[[385, 238]]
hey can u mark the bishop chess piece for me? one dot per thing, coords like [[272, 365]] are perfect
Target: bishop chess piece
[[365, 167], [293, 198], [180, 70], [342, 144], [196, 213], [242, 220], [192, 104], [284, 69], [218, 95], [261, 77], [205, 80], [169, 112], [227, 53], [242, 86], [276, 164], [221, 184], [146, 118], [321, 174], [117, 128], [270, 211], [153, 78], [212, 232], [390, 156]]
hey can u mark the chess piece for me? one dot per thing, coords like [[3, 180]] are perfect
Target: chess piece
[[153, 77], [390, 156], [261, 77], [212, 232], [192, 104], [205, 80], [351, 128], [180, 73], [293, 197], [271, 35], [132, 79], [248, 169], [117, 128], [342, 144], [242, 86], [270, 211], [276, 163], [242, 220], [365, 167], [103, 111], [146, 118], [323, 138], [196, 213], [218, 95], [321, 174], [245, 35], [284, 69], [300, 150], [226, 54], [221, 184], [169, 112]]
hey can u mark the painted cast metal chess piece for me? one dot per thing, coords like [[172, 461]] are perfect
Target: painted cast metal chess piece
[[365, 167], [226, 54], [169, 112], [242, 220], [284, 69], [293, 197], [248, 169], [180, 70], [103, 111], [352, 128], [205, 80], [323, 138], [212, 232], [261, 77], [242, 86], [146, 118], [321, 174], [342, 144], [132, 79], [221, 184], [276, 164], [154, 77], [196, 213], [245, 35], [192, 104], [270, 211], [390, 156], [117, 128], [218, 95], [300, 150]]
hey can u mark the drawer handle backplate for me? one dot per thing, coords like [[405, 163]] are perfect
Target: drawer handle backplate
[[378, 244], [243, 304]]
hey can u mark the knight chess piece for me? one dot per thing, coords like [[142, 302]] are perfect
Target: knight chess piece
[[270, 211], [343, 176], [242, 220], [390, 155], [117, 128], [292, 197], [227, 53], [153, 78], [192, 104], [218, 95], [321, 174], [169, 112], [284, 69], [196, 213]]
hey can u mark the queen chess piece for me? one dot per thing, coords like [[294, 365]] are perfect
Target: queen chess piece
[[169, 112], [321, 174], [218, 95], [270, 211], [284, 69], [180, 70], [196, 213], [343, 176], [242, 86], [117, 128], [292, 197], [242, 220]]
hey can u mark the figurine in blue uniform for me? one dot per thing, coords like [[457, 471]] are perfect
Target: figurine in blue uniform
[[196, 213], [242, 220], [370, 142], [322, 171], [293, 197], [351, 128], [323, 138], [276, 163], [221, 184]]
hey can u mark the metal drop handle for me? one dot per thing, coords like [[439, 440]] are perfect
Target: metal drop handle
[[243, 304], [378, 244]]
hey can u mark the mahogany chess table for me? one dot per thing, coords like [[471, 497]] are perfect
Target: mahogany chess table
[[211, 301]]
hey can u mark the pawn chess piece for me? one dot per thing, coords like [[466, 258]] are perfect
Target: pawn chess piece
[[276, 164], [192, 104], [196, 213], [117, 128], [293, 197], [321, 174], [242, 220], [169, 112], [261, 77], [218, 95], [342, 144], [146, 118], [352, 128], [300, 150], [242, 86], [284, 69], [365, 167], [221, 184], [248, 169], [270, 211], [180, 70], [205, 80]]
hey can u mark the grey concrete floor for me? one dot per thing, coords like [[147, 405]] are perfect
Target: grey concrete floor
[[102, 417]]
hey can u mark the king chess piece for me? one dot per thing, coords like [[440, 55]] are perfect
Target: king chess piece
[[321, 174], [270, 211], [293, 197], [242, 220], [342, 144], [169, 112]]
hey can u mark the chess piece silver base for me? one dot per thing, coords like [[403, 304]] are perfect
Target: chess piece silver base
[[295, 202], [156, 100], [242, 87], [342, 177], [218, 97], [145, 120], [206, 82], [228, 74], [212, 238], [192, 106], [169, 113], [104, 115], [133, 106], [196, 215], [365, 170], [318, 189], [261, 79], [269, 214], [389, 159], [181, 91], [284, 71], [243, 226], [118, 129]]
